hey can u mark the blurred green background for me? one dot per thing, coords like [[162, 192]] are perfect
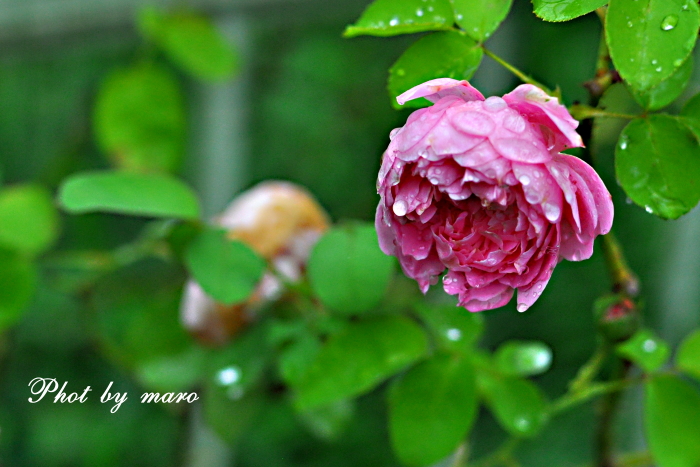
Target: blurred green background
[[306, 106]]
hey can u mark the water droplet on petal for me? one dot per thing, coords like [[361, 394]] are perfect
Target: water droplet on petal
[[669, 22], [551, 212], [525, 180], [434, 181], [494, 104], [400, 208], [522, 307]]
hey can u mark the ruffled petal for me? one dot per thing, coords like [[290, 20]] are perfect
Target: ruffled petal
[[540, 108], [435, 89]]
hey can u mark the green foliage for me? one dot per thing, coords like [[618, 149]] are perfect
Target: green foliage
[[671, 421], [18, 278], [564, 10], [191, 41], [650, 39], [454, 329], [431, 408], [657, 164], [227, 270], [518, 405], [139, 118], [358, 358], [28, 219], [523, 358], [137, 316], [449, 54], [645, 350], [392, 17], [666, 91], [688, 356], [348, 271], [480, 18], [149, 195]]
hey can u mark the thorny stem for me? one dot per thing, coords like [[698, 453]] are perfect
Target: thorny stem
[[582, 112], [624, 280], [604, 433], [590, 369], [502, 456], [521, 76], [572, 399]]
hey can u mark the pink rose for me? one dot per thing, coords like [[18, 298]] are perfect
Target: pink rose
[[478, 187]]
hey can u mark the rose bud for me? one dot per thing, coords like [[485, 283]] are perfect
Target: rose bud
[[281, 222], [479, 187]]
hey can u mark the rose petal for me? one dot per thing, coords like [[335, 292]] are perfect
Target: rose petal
[[540, 108], [436, 89]]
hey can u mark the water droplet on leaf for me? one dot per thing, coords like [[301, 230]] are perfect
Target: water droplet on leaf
[[649, 345], [228, 376], [649, 209], [454, 334], [669, 22], [393, 21], [419, 12]]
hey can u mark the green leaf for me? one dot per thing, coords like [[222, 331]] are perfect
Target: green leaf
[[329, 421], [139, 119], [227, 270], [449, 54], [358, 358], [28, 218], [657, 162], [480, 18], [691, 114], [523, 358], [671, 421], [645, 350], [230, 415], [392, 17], [136, 313], [455, 329], [688, 356], [517, 403], [297, 357], [18, 277], [149, 195], [564, 10], [650, 39], [431, 409], [348, 271], [173, 373], [191, 41], [668, 90]]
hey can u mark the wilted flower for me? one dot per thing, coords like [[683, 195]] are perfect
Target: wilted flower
[[281, 222], [478, 187]]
